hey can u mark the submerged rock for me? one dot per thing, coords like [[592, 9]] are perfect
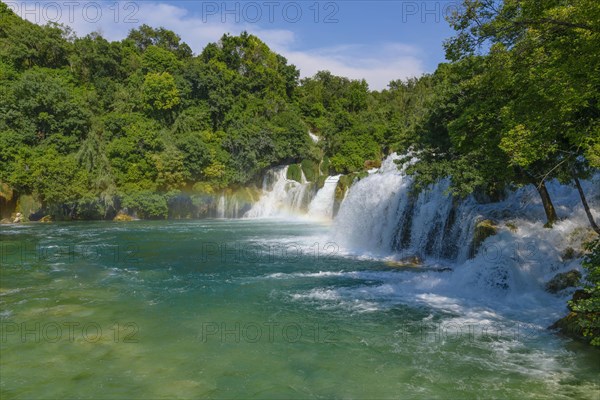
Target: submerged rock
[[413, 261], [563, 280]]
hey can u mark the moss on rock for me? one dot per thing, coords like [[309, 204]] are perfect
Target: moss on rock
[[512, 227], [563, 280], [483, 230]]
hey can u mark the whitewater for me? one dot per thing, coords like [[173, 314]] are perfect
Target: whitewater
[[502, 280]]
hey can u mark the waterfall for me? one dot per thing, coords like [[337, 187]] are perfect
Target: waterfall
[[221, 207], [377, 215], [230, 204], [381, 217], [322, 204], [281, 196]]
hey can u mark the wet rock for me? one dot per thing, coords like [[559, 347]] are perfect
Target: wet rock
[[572, 324], [512, 227], [46, 219], [18, 219], [569, 254], [415, 260], [483, 230], [563, 280], [569, 326], [412, 261]]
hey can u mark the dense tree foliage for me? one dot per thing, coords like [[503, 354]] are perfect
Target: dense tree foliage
[[587, 307], [519, 104], [87, 124]]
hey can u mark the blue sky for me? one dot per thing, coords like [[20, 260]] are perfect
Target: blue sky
[[375, 40]]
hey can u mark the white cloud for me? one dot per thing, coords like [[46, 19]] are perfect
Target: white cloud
[[377, 64]]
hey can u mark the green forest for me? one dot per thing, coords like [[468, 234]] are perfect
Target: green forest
[[89, 126]]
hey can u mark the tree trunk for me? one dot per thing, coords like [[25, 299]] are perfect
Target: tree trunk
[[585, 205], [547, 202]]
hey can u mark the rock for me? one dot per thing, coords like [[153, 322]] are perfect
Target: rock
[[123, 217], [483, 230], [370, 164], [415, 260], [18, 218], [563, 280], [46, 219], [412, 261], [572, 325], [5, 221], [569, 253], [512, 227], [569, 326]]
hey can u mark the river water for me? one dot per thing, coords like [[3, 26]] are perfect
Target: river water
[[265, 308]]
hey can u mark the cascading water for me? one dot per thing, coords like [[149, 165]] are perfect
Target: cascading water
[[221, 207], [322, 204], [281, 196], [381, 218]]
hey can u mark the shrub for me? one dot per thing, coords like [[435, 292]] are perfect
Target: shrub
[[294, 173], [325, 166], [587, 307], [321, 181], [147, 205], [310, 169]]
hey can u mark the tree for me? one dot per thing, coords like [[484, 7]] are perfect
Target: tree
[[146, 36], [160, 93], [545, 55]]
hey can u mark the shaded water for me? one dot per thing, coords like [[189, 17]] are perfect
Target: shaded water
[[255, 309]]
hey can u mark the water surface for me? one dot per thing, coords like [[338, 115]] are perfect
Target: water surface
[[254, 309]]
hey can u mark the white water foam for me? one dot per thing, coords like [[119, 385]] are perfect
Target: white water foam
[[281, 196], [321, 207]]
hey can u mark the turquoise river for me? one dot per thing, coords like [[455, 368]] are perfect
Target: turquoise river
[[255, 309]]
